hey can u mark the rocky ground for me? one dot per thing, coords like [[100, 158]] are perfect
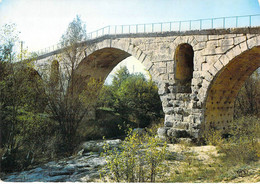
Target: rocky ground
[[84, 166]]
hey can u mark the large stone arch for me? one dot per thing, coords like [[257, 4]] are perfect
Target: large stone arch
[[100, 61], [121, 49], [234, 68]]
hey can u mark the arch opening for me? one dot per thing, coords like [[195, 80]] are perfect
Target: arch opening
[[99, 65], [183, 58], [221, 95]]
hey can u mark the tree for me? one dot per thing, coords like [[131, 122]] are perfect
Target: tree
[[248, 98], [20, 102], [68, 95], [134, 97]]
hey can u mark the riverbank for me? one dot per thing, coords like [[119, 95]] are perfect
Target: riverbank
[[187, 163]]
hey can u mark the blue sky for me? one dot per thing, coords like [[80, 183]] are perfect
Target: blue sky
[[42, 22]]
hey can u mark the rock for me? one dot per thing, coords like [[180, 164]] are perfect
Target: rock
[[178, 133], [97, 146], [72, 169]]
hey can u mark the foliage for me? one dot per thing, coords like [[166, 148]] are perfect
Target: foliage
[[9, 37], [133, 97], [243, 144], [248, 98], [138, 160], [23, 123]]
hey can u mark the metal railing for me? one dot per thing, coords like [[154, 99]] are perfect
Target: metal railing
[[187, 25]]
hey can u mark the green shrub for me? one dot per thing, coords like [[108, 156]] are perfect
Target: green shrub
[[243, 145], [139, 159]]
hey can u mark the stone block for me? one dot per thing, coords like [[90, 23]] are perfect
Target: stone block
[[215, 37], [168, 110], [168, 124], [213, 44], [178, 133], [208, 76], [218, 65], [212, 70], [209, 51], [224, 59], [234, 52], [226, 36], [240, 39], [142, 57], [205, 66], [223, 49], [212, 59], [226, 42], [162, 131], [199, 46], [201, 38], [243, 46], [169, 118], [251, 42]]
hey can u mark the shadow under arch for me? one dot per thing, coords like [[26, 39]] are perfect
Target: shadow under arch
[[222, 92], [184, 67], [99, 64]]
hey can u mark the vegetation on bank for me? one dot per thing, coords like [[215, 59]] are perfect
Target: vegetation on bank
[[236, 159], [44, 118]]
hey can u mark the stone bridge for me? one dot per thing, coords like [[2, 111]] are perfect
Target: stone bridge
[[198, 73]]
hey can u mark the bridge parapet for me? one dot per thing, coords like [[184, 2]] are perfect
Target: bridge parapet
[[173, 26]]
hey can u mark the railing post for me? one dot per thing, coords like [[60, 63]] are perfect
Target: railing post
[[136, 28], [179, 25], [224, 22], [108, 29], [170, 26], [236, 21], [212, 20], [152, 27], [129, 29], [144, 28], [250, 20], [103, 31], [200, 24], [190, 25], [161, 27], [115, 29], [122, 29]]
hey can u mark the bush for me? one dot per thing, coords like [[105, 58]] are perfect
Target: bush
[[138, 160], [242, 146]]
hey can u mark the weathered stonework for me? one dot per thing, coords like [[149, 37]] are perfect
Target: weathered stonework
[[221, 62]]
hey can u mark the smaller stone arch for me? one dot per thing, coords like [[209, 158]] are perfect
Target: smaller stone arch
[[184, 67]]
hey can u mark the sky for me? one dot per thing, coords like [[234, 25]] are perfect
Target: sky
[[42, 22]]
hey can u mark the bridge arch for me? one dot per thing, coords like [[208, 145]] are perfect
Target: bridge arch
[[222, 91], [124, 49], [98, 65]]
